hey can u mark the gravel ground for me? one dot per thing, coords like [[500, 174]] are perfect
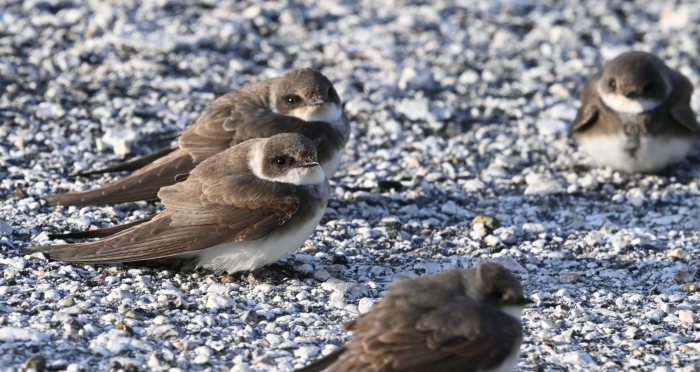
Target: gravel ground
[[466, 105]]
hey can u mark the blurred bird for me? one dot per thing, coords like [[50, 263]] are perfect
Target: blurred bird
[[464, 320], [241, 209], [635, 115], [302, 101]]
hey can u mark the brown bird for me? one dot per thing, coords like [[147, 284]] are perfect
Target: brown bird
[[241, 209], [635, 115], [464, 320], [302, 101]]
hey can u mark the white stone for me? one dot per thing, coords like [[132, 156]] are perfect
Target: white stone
[[306, 352], [349, 290], [538, 184], [365, 305], [217, 302]]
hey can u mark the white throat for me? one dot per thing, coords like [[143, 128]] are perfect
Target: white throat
[[515, 311], [625, 105], [328, 112], [296, 176]]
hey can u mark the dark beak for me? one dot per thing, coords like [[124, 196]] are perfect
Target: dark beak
[[317, 102], [631, 94], [309, 163]]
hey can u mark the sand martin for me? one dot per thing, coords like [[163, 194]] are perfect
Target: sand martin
[[241, 209], [302, 101], [457, 320], [635, 115]]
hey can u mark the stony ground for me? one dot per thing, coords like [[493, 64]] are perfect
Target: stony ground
[[466, 104]]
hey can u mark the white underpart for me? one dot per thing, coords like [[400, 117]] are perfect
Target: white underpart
[[328, 112], [296, 176], [244, 256], [653, 154], [331, 165]]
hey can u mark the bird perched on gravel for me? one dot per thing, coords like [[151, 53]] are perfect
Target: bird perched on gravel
[[464, 320], [241, 209], [635, 115], [302, 101]]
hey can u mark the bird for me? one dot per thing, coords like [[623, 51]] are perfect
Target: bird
[[635, 115], [238, 210], [301, 101], [464, 320]]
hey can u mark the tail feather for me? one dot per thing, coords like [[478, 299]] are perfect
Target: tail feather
[[99, 233], [134, 164], [143, 184]]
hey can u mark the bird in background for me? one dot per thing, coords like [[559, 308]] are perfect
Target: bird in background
[[635, 115], [461, 320], [239, 210], [302, 101]]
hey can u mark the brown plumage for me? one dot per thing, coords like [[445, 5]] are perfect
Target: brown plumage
[[646, 122], [255, 111], [222, 201], [451, 321]]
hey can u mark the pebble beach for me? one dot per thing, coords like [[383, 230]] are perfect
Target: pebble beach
[[459, 153]]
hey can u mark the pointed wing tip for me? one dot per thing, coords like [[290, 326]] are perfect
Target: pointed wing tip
[[53, 200], [49, 199], [39, 249]]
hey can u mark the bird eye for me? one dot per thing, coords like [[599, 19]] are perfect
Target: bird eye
[[648, 88], [612, 84], [291, 99], [281, 161]]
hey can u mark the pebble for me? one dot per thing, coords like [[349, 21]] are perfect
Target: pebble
[[684, 276], [243, 367], [306, 352], [218, 302], [36, 362], [467, 109], [349, 290], [5, 229], [569, 278], [539, 184], [365, 305], [579, 358], [686, 316]]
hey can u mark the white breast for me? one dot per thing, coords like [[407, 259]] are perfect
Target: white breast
[[331, 165], [244, 256], [653, 154]]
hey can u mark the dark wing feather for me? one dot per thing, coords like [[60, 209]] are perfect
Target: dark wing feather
[[458, 335], [680, 109], [99, 233], [199, 213], [133, 164], [229, 120], [242, 115], [588, 112], [141, 185]]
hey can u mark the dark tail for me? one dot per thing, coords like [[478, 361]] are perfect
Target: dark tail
[[143, 184], [134, 164], [99, 233]]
